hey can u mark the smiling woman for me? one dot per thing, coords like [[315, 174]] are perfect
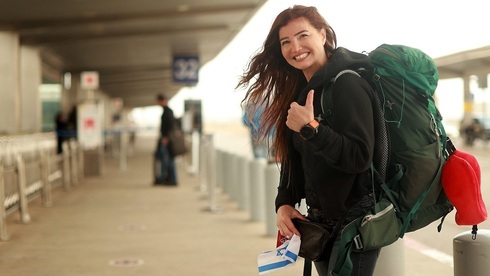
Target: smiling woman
[[327, 164]]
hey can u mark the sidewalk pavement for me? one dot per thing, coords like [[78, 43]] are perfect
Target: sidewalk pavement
[[120, 224]]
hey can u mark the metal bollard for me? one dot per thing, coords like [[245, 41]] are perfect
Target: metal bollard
[[66, 166], [210, 172], [243, 175], [3, 215], [81, 163], [73, 162], [271, 182], [257, 189], [232, 178], [226, 171], [45, 170], [471, 257], [205, 161], [123, 150], [21, 173], [194, 168], [218, 170], [212, 177]]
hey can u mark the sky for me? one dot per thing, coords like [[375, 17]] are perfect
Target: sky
[[437, 27]]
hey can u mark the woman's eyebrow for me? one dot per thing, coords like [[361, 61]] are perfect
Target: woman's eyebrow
[[281, 39]]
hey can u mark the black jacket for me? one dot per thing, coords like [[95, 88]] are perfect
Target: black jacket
[[331, 170], [167, 121], [166, 126]]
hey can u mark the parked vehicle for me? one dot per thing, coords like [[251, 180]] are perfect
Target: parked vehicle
[[479, 128]]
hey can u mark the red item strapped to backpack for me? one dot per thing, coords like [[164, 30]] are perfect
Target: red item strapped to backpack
[[461, 180]]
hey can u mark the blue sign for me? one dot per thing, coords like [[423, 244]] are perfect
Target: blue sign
[[186, 69]]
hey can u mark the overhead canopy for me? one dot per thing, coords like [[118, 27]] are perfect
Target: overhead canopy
[[131, 43], [462, 64]]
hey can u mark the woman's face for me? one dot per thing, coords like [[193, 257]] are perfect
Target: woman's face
[[302, 46]]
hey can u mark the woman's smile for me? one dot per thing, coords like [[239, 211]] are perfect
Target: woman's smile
[[301, 57]]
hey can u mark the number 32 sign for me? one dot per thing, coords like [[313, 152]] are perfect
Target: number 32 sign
[[186, 69]]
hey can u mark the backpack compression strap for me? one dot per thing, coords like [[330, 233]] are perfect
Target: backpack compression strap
[[408, 218], [389, 193]]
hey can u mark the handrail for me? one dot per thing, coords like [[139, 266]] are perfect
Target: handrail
[[30, 168]]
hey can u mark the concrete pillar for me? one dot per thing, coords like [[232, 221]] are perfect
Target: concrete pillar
[[211, 164], [232, 178], [227, 173], [271, 182], [471, 256], [257, 189], [30, 98], [468, 99], [243, 181], [220, 169], [9, 83]]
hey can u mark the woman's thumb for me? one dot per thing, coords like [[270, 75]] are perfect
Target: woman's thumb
[[309, 99]]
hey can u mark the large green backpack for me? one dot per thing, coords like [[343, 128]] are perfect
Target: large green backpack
[[405, 80], [410, 140]]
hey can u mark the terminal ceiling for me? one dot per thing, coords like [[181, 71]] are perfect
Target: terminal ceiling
[[130, 43]]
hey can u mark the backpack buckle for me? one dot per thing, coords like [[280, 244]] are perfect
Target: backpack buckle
[[358, 242]]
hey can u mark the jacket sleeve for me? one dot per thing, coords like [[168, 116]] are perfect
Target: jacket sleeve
[[168, 122], [291, 185], [284, 191]]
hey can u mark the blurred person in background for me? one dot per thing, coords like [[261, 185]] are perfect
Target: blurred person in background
[[165, 171], [61, 130], [259, 145]]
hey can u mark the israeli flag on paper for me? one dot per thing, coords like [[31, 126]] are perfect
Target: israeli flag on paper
[[284, 255]]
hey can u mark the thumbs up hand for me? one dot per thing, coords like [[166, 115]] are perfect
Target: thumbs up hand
[[299, 115]]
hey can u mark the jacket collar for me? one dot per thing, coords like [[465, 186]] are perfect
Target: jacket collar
[[341, 59]]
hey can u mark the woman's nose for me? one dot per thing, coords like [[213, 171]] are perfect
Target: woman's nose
[[296, 46]]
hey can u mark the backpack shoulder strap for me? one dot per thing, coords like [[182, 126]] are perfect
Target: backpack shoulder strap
[[381, 155], [326, 96]]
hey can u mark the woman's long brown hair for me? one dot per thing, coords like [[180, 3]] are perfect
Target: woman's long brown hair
[[272, 83]]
